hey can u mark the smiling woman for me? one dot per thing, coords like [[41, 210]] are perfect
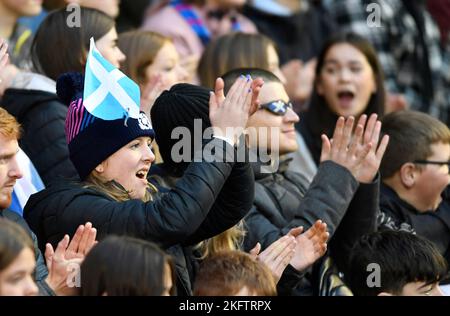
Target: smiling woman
[[136, 156]]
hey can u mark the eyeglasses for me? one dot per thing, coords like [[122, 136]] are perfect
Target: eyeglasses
[[278, 107], [430, 162]]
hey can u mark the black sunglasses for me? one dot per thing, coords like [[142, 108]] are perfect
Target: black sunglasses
[[278, 107], [430, 162]]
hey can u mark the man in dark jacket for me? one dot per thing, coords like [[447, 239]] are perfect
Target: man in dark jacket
[[9, 172], [278, 204], [191, 105], [415, 173], [344, 193]]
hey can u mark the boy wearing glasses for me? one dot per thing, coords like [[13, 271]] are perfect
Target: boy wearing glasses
[[415, 175]]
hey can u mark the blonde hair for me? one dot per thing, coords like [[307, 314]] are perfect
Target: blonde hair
[[9, 127], [229, 240], [115, 190]]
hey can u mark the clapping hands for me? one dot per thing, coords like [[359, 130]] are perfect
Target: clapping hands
[[67, 253]]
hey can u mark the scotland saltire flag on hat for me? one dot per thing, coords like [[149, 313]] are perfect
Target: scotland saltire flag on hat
[[108, 93]]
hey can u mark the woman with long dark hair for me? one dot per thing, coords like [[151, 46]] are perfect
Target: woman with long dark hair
[[349, 82]]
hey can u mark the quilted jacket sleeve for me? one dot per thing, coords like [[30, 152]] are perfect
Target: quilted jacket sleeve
[[171, 219]]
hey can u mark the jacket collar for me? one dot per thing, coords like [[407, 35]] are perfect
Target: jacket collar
[[263, 169], [389, 194]]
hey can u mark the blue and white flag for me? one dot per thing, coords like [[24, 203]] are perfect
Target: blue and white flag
[[108, 93], [29, 184]]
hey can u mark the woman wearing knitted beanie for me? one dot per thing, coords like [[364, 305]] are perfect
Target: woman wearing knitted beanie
[[113, 155]]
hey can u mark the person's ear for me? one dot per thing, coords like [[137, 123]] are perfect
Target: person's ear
[[408, 174], [100, 168], [384, 294]]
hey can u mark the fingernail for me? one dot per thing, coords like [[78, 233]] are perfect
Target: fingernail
[[242, 77], [248, 77], [249, 90]]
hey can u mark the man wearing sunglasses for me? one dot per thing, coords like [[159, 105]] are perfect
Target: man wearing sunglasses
[[415, 175], [339, 195]]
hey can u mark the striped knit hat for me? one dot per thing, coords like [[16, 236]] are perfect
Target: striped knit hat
[[92, 140]]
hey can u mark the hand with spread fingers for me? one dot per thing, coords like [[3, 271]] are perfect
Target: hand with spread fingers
[[358, 151], [311, 245], [277, 256], [230, 113], [338, 149], [67, 256], [371, 163]]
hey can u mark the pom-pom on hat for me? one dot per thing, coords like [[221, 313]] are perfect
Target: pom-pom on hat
[[99, 120]]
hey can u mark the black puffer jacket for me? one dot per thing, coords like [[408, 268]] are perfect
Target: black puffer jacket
[[210, 198], [285, 199], [42, 117], [187, 259]]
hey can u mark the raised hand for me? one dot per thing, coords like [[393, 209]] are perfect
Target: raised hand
[[59, 261], [229, 115], [82, 242], [341, 151], [371, 163], [277, 256]]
